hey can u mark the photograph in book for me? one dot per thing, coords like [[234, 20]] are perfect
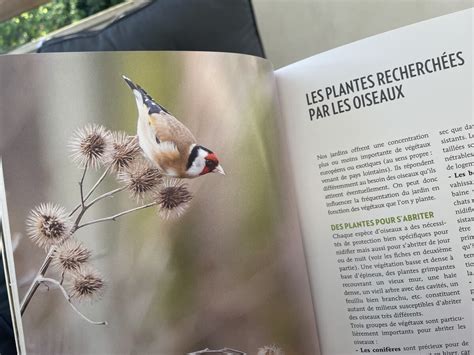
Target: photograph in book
[[150, 205], [381, 145]]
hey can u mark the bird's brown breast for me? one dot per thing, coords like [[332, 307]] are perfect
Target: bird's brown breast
[[172, 162]]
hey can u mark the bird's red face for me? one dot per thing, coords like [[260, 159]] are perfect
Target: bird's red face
[[212, 164]]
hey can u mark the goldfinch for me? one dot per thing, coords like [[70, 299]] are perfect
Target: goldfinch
[[168, 143]]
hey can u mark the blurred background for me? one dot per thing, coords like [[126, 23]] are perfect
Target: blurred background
[[229, 273], [292, 30], [282, 30], [25, 21]]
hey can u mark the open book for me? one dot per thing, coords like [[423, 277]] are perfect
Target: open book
[[343, 224]]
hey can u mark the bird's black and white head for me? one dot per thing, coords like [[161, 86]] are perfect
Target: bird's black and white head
[[202, 161]]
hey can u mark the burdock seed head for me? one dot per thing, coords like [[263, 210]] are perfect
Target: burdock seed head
[[125, 150], [270, 350], [91, 146], [48, 224], [71, 256], [141, 179], [86, 284], [173, 199]]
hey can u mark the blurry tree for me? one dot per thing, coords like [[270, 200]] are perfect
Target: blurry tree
[[46, 18]]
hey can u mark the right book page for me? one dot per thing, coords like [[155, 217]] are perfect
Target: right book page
[[381, 145]]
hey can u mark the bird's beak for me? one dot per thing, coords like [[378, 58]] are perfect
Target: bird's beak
[[219, 170]]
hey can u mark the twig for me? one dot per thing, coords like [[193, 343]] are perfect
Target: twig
[[68, 298], [115, 216], [107, 194], [81, 186], [34, 285], [75, 226], [44, 267], [84, 207], [102, 177], [98, 182]]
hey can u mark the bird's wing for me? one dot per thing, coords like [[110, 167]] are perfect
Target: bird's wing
[[169, 129]]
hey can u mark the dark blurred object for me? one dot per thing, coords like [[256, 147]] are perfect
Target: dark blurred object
[[90, 7], [194, 25], [7, 338], [31, 23]]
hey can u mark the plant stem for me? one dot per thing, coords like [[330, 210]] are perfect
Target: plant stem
[[47, 261], [34, 286], [81, 186], [84, 207], [68, 298], [44, 267], [115, 216], [107, 194], [102, 177]]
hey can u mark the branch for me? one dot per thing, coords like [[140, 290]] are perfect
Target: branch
[[68, 298], [98, 182], [47, 261], [34, 285], [115, 216], [102, 177], [81, 185], [75, 226], [107, 194]]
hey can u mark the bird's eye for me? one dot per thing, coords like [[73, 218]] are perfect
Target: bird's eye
[[210, 163]]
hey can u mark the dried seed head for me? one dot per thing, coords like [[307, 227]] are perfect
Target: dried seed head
[[270, 350], [125, 150], [70, 256], [91, 146], [86, 284], [48, 224], [173, 199], [141, 179]]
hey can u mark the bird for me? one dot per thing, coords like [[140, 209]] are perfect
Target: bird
[[167, 142]]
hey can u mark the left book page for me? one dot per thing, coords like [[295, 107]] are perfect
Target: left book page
[[172, 266]]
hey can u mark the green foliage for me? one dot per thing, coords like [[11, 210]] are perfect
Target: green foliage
[[38, 22]]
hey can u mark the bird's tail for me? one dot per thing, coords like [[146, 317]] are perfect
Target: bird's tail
[[142, 93], [142, 97], [129, 82]]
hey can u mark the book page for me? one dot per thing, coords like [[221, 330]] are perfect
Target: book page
[[118, 251], [381, 140]]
